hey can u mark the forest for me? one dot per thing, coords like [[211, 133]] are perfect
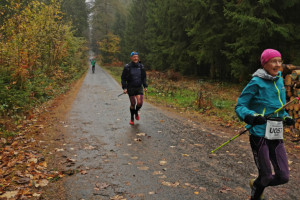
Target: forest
[[44, 43], [220, 40]]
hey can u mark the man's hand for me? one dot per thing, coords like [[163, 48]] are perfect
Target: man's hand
[[145, 89], [125, 91]]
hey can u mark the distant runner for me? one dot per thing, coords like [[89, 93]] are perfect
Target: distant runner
[[133, 81], [263, 95], [93, 63]]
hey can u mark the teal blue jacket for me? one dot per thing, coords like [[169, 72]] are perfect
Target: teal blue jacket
[[263, 95], [93, 62]]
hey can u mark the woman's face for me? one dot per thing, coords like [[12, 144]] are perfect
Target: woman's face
[[273, 66]]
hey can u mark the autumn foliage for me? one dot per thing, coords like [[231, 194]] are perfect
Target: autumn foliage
[[109, 48], [39, 55]]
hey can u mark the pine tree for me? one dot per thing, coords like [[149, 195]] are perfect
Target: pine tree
[[257, 25]]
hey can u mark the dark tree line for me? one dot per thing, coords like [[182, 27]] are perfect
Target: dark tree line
[[77, 12], [218, 39]]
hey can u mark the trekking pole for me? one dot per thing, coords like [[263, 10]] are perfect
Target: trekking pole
[[146, 93], [121, 94], [244, 131]]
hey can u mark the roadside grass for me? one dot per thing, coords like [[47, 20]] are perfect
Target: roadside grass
[[6, 134], [211, 99]]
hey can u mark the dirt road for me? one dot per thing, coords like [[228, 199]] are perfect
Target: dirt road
[[163, 156]]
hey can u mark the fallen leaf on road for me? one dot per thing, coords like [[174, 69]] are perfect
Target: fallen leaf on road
[[58, 150], [3, 140], [151, 193], [36, 195], [102, 185], [134, 158], [23, 180], [127, 183], [41, 183], [143, 168], [117, 197], [71, 160], [33, 160], [89, 147], [9, 194], [141, 134], [140, 163], [162, 162], [225, 190], [162, 177], [196, 193], [198, 145], [157, 173], [203, 189], [84, 172], [43, 164], [172, 146], [169, 184], [137, 139], [185, 155]]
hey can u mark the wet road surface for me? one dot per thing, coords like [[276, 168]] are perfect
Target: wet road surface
[[161, 157]]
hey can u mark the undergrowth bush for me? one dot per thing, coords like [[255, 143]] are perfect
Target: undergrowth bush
[[39, 57]]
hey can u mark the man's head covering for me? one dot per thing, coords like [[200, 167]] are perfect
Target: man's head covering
[[134, 53], [267, 54]]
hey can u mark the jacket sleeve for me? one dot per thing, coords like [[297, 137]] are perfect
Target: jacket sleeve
[[144, 77], [124, 77], [283, 97], [242, 106]]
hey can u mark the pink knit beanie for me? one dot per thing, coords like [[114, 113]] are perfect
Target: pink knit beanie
[[267, 54]]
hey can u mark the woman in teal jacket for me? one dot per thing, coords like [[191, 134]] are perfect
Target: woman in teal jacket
[[264, 94]]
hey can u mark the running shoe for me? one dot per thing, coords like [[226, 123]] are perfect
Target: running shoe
[[262, 197], [131, 122], [137, 117]]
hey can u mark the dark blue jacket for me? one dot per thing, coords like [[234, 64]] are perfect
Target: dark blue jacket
[[134, 76]]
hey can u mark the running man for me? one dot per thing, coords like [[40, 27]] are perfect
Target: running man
[[264, 94], [133, 81], [93, 63]]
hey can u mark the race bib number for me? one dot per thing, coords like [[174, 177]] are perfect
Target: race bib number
[[274, 130]]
